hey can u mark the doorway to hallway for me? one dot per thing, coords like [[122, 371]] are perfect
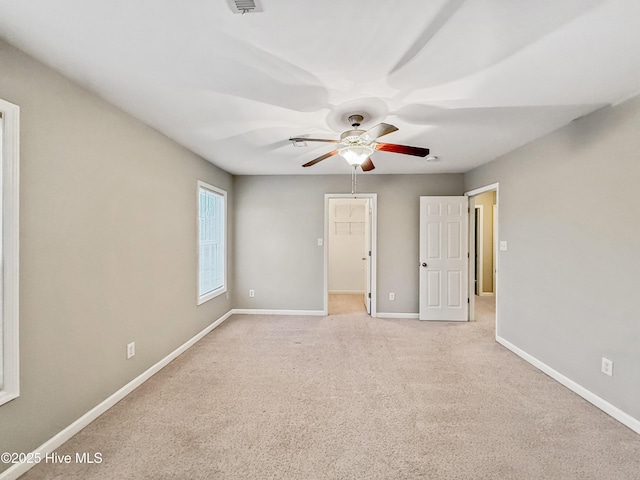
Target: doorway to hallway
[[483, 241]]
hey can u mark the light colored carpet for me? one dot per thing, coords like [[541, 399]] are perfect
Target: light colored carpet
[[346, 303], [352, 397]]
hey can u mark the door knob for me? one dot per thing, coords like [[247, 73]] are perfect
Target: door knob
[[424, 264]]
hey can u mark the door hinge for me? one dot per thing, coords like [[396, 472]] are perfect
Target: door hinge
[[468, 301], [369, 294], [369, 252]]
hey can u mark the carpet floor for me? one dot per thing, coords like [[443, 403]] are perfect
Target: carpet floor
[[342, 303], [348, 396]]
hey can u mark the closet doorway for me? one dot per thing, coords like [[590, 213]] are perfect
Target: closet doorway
[[350, 253]]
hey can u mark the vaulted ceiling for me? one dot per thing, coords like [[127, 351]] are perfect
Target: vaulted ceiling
[[471, 80]]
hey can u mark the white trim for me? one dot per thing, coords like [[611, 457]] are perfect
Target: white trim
[[61, 437], [479, 264], [602, 404], [263, 311], [412, 316], [346, 292], [200, 299], [471, 265], [486, 294], [478, 191], [374, 246], [10, 251], [212, 294], [494, 234]]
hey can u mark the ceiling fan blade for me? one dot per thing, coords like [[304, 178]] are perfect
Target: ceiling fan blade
[[305, 139], [378, 131], [319, 159], [367, 165], [404, 149]]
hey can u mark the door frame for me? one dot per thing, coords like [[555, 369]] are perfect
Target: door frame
[[471, 194], [373, 197], [478, 259]]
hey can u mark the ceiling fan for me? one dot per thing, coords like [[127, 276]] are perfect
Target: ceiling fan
[[356, 145]]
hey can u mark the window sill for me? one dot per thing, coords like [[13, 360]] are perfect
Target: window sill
[[211, 295], [6, 396]]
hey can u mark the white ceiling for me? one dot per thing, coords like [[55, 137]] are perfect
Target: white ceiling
[[471, 80]]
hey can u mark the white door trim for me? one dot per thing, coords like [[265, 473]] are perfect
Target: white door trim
[[495, 245], [374, 226], [496, 226], [479, 263]]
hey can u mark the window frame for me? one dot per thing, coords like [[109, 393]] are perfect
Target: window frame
[[9, 249], [223, 289]]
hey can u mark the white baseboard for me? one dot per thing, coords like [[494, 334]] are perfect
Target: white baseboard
[[398, 315], [602, 404], [346, 292], [57, 440], [262, 311], [486, 294]]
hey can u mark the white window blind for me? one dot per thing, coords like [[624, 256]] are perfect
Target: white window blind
[[211, 241], [9, 269], [1, 317]]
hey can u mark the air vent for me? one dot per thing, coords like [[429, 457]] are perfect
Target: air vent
[[245, 6]]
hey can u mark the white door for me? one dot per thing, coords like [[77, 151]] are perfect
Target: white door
[[367, 255], [444, 258]]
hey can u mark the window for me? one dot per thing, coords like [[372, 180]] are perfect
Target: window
[[212, 206], [9, 169]]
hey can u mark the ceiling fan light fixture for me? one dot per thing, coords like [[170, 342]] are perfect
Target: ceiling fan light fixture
[[355, 154]]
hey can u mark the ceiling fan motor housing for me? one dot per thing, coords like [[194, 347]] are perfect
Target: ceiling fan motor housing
[[352, 137], [356, 120]]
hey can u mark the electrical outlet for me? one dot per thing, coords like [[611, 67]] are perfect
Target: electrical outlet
[[392, 296], [131, 350], [252, 293], [607, 366]]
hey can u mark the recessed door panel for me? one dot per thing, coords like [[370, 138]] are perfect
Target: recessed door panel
[[454, 290], [434, 296], [434, 240], [454, 249]]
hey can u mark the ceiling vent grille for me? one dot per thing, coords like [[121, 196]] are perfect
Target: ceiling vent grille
[[245, 6]]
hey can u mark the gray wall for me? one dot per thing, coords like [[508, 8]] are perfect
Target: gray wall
[[107, 250], [278, 220], [569, 280]]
